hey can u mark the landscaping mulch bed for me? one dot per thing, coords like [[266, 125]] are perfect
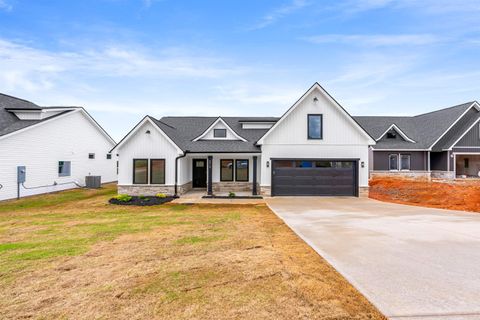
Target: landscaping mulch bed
[[228, 197], [142, 201]]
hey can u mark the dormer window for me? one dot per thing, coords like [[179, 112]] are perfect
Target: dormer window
[[391, 135], [219, 133]]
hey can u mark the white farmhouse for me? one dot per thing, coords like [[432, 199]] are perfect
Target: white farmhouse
[[54, 148], [315, 149]]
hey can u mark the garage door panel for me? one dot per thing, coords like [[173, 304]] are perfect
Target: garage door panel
[[332, 178]]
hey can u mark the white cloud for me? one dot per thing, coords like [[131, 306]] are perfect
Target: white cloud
[[280, 13], [33, 69], [4, 5], [375, 40]]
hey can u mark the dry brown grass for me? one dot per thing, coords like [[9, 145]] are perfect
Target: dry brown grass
[[180, 262]]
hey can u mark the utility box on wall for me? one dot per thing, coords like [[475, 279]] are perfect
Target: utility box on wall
[[21, 174]]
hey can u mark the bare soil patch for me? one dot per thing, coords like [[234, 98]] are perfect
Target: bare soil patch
[[93, 260], [458, 195]]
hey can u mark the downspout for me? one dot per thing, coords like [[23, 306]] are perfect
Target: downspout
[[176, 171]]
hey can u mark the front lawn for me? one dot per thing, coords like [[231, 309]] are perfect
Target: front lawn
[[73, 255]]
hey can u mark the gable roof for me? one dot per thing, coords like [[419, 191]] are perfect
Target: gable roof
[[10, 123], [398, 130], [425, 129], [317, 86], [219, 120], [184, 130]]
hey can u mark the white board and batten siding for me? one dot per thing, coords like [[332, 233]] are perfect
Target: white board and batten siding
[[147, 146], [69, 137], [341, 138]]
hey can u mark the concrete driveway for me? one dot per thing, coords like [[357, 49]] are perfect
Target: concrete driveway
[[411, 262]]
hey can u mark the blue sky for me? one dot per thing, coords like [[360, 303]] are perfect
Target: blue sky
[[122, 59]]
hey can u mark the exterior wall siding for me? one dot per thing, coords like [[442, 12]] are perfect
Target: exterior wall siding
[[147, 146], [418, 160], [456, 130], [67, 138], [341, 139], [471, 139]]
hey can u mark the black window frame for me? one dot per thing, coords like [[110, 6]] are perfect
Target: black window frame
[[151, 171], [91, 156], [321, 126], [466, 163], [248, 170], [219, 130], [109, 156], [233, 170], [133, 174], [61, 174]]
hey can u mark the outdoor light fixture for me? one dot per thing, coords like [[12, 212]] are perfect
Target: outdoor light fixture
[[147, 132], [315, 99]]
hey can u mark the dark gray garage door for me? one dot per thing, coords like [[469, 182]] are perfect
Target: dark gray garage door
[[314, 177]]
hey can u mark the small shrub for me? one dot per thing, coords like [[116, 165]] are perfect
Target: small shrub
[[161, 195], [141, 197], [231, 194], [123, 197]]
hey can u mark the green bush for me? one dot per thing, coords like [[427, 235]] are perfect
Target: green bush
[[231, 194], [161, 195], [123, 197], [141, 197]]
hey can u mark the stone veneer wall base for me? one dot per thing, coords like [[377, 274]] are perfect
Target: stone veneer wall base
[[151, 190]]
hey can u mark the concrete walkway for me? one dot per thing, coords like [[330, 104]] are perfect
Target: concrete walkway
[[411, 262]]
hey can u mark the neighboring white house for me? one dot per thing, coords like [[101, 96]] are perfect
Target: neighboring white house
[[315, 148], [57, 146]]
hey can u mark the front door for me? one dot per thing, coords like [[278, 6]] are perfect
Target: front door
[[199, 179]]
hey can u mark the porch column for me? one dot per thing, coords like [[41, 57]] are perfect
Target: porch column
[[254, 179], [209, 174]]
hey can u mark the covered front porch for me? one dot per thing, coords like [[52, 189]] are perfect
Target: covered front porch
[[219, 174], [467, 165]]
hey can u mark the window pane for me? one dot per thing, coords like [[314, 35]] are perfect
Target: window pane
[[393, 162], [226, 167], [220, 133], [283, 163], [157, 168], [315, 127], [304, 164], [241, 170], [140, 171], [405, 162], [63, 168]]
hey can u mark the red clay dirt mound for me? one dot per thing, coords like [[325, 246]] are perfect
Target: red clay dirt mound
[[463, 195]]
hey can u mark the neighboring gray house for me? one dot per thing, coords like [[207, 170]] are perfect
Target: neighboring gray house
[[439, 144], [315, 148]]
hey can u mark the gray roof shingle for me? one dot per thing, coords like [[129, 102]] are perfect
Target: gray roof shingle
[[424, 129], [9, 122], [183, 130]]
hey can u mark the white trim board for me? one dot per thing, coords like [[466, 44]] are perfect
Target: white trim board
[[317, 86], [463, 135], [219, 119], [474, 104], [138, 126], [398, 130]]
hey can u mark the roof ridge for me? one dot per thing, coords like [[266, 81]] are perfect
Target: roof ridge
[[438, 110]]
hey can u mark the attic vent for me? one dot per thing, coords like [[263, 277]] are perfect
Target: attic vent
[[391, 135]]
